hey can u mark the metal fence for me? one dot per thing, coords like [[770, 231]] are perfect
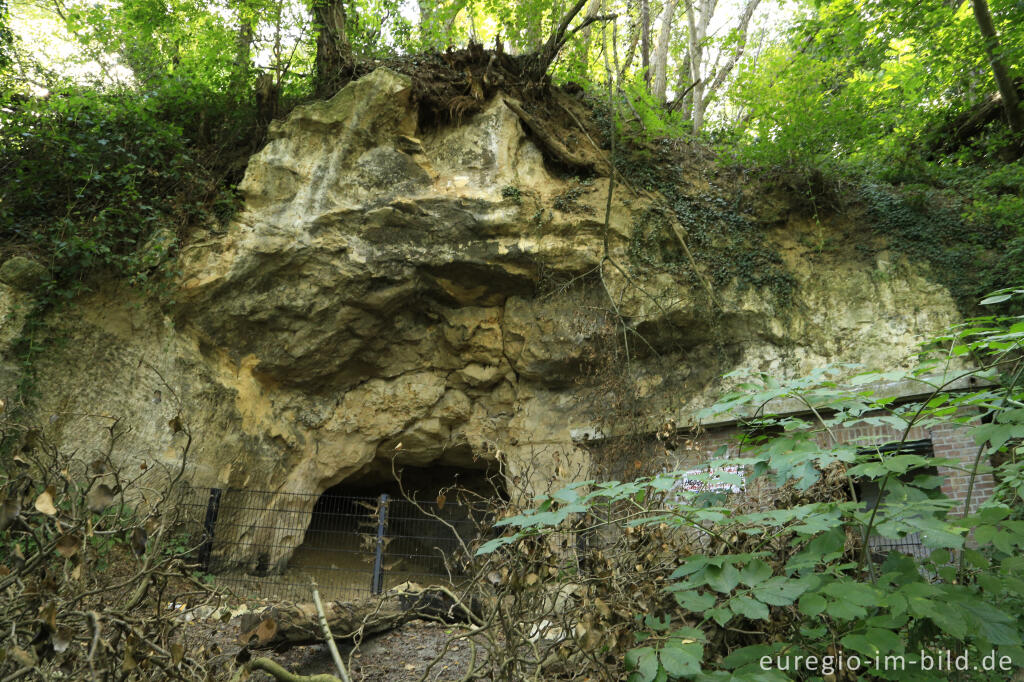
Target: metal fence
[[268, 545], [909, 544]]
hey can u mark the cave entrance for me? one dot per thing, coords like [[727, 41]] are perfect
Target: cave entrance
[[365, 536]]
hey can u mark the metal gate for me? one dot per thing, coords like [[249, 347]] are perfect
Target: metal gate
[[262, 544]]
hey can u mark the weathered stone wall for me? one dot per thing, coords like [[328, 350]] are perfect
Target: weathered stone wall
[[383, 293]]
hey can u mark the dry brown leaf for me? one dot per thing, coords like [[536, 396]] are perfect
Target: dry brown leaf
[[262, 633], [9, 511], [44, 502], [138, 542], [62, 638], [532, 579], [24, 658], [68, 545], [99, 498], [17, 558], [48, 614], [441, 499]]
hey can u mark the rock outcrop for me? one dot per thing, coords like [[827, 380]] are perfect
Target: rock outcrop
[[423, 294]]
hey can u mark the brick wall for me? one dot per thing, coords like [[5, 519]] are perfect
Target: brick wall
[[949, 441]]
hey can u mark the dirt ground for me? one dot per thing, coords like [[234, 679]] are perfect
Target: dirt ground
[[405, 654], [397, 656]]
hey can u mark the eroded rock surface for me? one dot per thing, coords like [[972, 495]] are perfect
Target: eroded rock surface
[[423, 294]]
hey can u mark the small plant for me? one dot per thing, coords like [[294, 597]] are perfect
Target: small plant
[[512, 194]]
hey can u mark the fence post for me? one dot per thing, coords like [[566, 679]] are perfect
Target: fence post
[[212, 511], [382, 517]]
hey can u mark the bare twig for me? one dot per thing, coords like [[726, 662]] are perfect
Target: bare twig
[[328, 637]]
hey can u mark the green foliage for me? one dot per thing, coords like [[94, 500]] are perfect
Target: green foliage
[[866, 84], [512, 193], [87, 179], [100, 183], [729, 247], [6, 37], [921, 223], [787, 582]]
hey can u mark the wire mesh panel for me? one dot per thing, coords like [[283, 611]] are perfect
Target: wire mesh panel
[[268, 545], [423, 541], [909, 544]]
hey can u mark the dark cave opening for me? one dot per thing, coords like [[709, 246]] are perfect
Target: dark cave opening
[[368, 533]]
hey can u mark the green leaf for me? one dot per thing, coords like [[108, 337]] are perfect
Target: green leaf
[[843, 610], [494, 544], [681, 658], [720, 615], [811, 604], [746, 655], [644, 661], [694, 601], [755, 572], [749, 608], [722, 578], [884, 640], [860, 644], [779, 591], [856, 593]]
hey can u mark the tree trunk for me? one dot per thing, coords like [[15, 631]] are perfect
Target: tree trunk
[[538, 62], [1011, 102], [243, 55], [627, 60], [659, 82], [333, 51], [696, 24], [584, 41], [645, 39], [287, 625]]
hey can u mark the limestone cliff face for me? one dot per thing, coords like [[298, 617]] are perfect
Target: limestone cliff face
[[424, 293]]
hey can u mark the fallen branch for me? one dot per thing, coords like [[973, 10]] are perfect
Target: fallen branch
[[279, 673], [284, 626]]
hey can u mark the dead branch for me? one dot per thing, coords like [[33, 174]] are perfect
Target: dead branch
[[328, 637], [283, 626]]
